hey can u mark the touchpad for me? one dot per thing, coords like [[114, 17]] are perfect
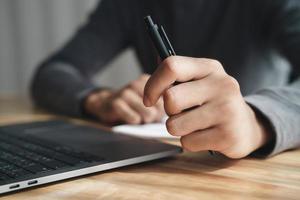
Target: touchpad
[[76, 136]]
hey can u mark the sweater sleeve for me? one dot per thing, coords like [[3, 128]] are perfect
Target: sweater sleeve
[[64, 80], [281, 105]]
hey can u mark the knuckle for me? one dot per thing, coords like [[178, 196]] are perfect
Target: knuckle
[[215, 64], [168, 96], [171, 126], [116, 103], [136, 119], [231, 84], [125, 93], [133, 85], [187, 144], [170, 101], [147, 119], [171, 64]]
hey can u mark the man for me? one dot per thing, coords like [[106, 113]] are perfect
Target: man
[[237, 94]]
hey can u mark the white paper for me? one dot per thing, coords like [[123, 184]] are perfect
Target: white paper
[[153, 130]]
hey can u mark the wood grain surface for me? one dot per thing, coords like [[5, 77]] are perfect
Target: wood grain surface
[[186, 176]]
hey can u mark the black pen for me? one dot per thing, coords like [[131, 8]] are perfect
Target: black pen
[[161, 43], [159, 39]]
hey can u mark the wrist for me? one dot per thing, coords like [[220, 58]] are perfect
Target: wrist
[[264, 132], [95, 100]]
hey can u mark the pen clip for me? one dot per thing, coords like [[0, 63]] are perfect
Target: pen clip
[[166, 40]]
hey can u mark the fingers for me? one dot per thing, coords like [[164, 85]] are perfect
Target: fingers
[[208, 139], [128, 105], [135, 102], [176, 68], [187, 95], [200, 118], [160, 108], [125, 113], [139, 84]]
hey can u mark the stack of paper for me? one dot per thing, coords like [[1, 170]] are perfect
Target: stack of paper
[[154, 130]]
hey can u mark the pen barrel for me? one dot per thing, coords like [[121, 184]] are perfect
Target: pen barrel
[[158, 43], [156, 38]]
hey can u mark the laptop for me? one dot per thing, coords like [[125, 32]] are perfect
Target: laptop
[[37, 153]]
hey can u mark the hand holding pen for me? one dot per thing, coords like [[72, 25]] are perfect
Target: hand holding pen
[[207, 108], [162, 43]]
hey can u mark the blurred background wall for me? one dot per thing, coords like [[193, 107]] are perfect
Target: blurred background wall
[[32, 29]]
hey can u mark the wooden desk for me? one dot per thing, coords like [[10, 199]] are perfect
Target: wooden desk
[[187, 176]]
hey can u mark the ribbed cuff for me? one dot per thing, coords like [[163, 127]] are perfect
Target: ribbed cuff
[[80, 98]]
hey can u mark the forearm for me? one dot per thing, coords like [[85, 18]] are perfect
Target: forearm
[[59, 87]]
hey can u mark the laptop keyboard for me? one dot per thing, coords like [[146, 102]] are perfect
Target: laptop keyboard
[[21, 156]]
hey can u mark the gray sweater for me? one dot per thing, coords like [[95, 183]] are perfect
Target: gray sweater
[[257, 41]]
